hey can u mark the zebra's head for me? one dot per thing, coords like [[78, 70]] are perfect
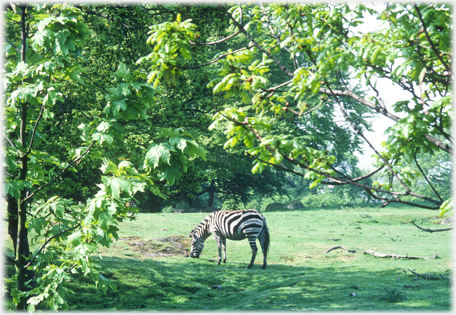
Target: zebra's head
[[197, 245]]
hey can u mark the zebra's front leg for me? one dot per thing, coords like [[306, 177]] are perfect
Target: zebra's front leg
[[254, 252]]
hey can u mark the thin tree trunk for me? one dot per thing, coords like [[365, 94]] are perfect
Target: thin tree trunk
[[11, 207], [154, 203], [21, 240]]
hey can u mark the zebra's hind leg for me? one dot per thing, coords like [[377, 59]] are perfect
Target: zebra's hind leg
[[264, 258], [224, 248], [254, 252]]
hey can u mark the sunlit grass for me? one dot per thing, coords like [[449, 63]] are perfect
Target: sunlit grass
[[299, 276]]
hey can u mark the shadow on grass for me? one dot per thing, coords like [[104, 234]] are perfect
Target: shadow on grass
[[186, 284]]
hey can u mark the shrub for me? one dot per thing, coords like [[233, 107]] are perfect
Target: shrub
[[392, 295]]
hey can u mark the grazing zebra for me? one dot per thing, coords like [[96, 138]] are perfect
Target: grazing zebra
[[232, 225]]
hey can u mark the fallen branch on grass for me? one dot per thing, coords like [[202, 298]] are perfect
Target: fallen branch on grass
[[394, 256], [341, 247], [429, 276], [431, 231]]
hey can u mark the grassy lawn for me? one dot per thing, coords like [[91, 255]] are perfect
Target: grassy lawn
[[149, 267]]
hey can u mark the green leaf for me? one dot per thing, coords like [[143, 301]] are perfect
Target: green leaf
[[446, 207], [117, 185], [156, 153], [123, 72], [171, 174], [105, 220], [75, 239], [14, 187], [109, 167]]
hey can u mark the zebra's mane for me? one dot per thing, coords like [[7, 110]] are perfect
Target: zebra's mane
[[203, 224]]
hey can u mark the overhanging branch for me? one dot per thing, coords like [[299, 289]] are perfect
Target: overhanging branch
[[218, 58], [337, 180], [216, 42], [383, 111], [255, 43]]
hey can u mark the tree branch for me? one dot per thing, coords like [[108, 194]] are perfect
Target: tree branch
[[426, 178], [356, 129], [427, 276], [394, 256], [432, 231], [218, 58], [47, 242], [217, 41], [255, 43], [441, 145], [358, 178], [337, 180], [9, 141], [60, 174], [10, 259], [341, 247], [436, 52], [34, 130]]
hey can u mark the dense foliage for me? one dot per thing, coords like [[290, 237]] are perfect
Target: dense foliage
[[107, 106]]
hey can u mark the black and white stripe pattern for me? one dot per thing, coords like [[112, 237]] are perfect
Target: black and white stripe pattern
[[232, 225]]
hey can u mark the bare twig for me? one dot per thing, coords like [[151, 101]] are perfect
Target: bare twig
[[13, 46], [9, 141], [426, 178], [426, 276], [71, 268], [273, 89], [431, 231], [341, 247], [355, 179], [9, 259], [34, 129], [443, 277]]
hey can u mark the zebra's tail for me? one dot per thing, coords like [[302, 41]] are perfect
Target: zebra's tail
[[267, 239]]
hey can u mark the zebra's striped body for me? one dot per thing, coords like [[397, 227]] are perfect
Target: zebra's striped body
[[232, 225]]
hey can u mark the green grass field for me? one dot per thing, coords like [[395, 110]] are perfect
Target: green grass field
[[150, 270]]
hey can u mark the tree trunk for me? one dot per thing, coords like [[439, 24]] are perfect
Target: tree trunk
[[153, 203], [21, 239], [11, 209], [13, 219]]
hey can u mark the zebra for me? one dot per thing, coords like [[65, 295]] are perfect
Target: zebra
[[232, 225]]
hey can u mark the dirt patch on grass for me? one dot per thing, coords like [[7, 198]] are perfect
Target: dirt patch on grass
[[159, 247]]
